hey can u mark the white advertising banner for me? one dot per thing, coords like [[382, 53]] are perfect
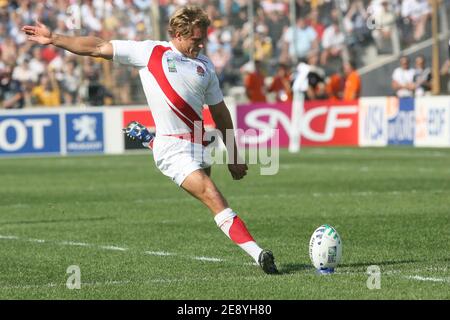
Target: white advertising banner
[[373, 123], [432, 122]]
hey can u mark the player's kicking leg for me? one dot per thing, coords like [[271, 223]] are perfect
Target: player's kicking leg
[[200, 185]]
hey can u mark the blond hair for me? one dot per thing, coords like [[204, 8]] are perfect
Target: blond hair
[[185, 19]]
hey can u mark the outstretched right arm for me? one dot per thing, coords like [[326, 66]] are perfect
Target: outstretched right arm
[[85, 46]]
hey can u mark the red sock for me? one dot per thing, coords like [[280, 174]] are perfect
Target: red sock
[[236, 230]]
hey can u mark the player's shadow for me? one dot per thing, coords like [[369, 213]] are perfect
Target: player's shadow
[[289, 268], [53, 220]]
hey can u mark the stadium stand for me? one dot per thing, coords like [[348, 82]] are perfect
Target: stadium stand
[[357, 31]]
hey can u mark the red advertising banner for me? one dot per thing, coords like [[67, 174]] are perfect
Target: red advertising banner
[[322, 123], [330, 123]]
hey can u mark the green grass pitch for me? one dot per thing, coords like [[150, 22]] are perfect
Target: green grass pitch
[[135, 235]]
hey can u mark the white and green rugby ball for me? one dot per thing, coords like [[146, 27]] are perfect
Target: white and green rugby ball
[[325, 248]]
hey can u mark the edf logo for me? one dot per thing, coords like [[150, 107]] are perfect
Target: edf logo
[[29, 134], [84, 132]]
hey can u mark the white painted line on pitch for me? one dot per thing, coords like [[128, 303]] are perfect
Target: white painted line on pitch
[[159, 253], [36, 240], [419, 278], [110, 247], [71, 243], [113, 248], [9, 237], [208, 259], [31, 286]]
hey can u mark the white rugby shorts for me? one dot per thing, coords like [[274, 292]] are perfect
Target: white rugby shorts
[[177, 158]]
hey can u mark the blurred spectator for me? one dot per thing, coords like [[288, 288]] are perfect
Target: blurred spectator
[[333, 41], [220, 58], [90, 20], [422, 77], [310, 79], [48, 53], [254, 82], [300, 41], [71, 83], [316, 79], [315, 23], [335, 86], [281, 84], [98, 94], [355, 23], [8, 51], [415, 13], [11, 92], [403, 79], [36, 63], [47, 93], [123, 91], [23, 73], [352, 85], [263, 45], [382, 21], [270, 6], [276, 23]]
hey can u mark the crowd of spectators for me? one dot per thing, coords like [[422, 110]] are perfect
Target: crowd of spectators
[[330, 39]]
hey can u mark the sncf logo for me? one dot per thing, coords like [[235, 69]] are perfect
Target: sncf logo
[[317, 125], [335, 118]]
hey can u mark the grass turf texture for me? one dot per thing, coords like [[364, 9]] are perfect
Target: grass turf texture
[[391, 207]]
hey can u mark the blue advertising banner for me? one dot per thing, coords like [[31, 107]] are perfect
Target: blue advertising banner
[[84, 132], [29, 134], [401, 122]]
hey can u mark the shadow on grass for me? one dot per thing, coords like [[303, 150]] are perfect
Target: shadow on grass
[[53, 220], [289, 268]]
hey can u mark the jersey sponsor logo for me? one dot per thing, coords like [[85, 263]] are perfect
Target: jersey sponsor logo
[[24, 134]]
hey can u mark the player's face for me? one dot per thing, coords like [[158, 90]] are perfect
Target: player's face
[[192, 45]]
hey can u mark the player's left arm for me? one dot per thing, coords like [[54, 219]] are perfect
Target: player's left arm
[[222, 118]]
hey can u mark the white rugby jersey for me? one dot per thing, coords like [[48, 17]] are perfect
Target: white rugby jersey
[[176, 87]]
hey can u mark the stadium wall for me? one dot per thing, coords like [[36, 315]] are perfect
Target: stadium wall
[[368, 122]]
